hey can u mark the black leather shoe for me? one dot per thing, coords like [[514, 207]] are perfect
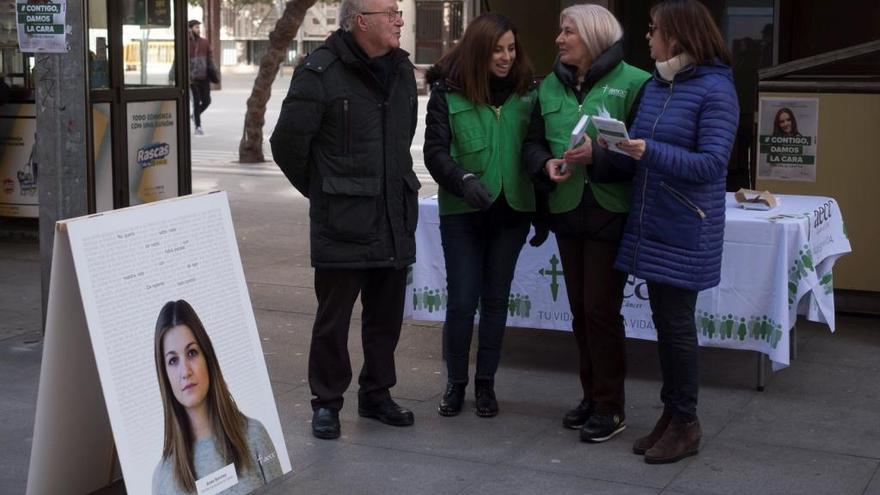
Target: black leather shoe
[[577, 417], [601, 427], [386, 411], [452, 400], [325, 423], [487, 405]]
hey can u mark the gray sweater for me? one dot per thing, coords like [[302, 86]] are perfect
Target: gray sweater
[[206, 460]]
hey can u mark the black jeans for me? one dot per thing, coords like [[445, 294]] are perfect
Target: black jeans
[[201, 92], [481, 250], [673, 314], [382, 293]]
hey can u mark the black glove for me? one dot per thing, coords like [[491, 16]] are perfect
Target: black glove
[[475, 193], [541, 219]]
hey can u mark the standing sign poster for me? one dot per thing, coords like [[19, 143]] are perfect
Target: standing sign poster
[[152, 151], [788, 131], [18, 171], [150, 334], [41, 26]]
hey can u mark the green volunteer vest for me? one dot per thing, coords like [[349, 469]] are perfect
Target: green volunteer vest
[[614, 93], [486, 141]]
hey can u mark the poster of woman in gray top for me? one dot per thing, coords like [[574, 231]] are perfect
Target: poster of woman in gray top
[[205, 431]]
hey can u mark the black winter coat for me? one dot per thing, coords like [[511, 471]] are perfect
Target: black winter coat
[[343, 140]]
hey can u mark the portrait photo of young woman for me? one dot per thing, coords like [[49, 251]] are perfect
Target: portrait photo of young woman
[[204, 429]]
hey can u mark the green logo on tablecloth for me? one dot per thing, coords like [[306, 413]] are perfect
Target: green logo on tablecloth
[[802, 266], [827, 283], [554, 276], [730, 327], [429, 299], [519, 305], [435, 300]]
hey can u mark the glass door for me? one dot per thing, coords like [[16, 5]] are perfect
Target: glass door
[[139, 100]]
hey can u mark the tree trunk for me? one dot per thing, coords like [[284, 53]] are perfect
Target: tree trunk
[[250, 149], [211, 32]]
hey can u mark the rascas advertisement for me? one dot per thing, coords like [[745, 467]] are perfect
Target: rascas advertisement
[[787, 139], [152, 151], [41, 25], [18, 170]]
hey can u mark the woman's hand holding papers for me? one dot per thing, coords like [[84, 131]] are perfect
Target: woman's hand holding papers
[[559, 169], [632, 147], [554, 170], [580, 155]]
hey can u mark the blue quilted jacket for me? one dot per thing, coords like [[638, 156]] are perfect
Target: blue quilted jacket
[[675, 231]]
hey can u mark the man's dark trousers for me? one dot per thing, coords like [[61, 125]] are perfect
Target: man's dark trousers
[[382, 295], [201, 91]]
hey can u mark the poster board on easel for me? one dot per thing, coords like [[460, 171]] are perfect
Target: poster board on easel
[[102, 381]]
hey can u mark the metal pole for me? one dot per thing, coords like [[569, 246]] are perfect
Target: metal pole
[[761, 372]]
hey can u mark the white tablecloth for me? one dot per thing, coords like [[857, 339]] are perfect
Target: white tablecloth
[[776, 264]]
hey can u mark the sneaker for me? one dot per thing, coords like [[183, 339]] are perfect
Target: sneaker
[[601, 427], [452, 400], [577, 417], [386, 411], [199, 131], [484, 392]]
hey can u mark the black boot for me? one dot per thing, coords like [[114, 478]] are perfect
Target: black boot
[[484, 391], [453, 399]]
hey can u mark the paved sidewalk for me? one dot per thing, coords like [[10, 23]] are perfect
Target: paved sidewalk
[[815, 430]]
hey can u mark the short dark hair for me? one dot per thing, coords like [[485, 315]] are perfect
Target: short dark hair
[[690, 24], [192, 23], [467, 65]]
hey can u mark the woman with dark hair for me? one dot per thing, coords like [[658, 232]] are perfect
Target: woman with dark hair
[[204, 429], [680, 144], [784, 124], [477, 117], [589, 201]]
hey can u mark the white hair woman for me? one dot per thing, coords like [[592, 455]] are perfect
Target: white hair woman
[[588, 202]]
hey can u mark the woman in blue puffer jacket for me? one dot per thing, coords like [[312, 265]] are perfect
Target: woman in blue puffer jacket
[[680, 143]]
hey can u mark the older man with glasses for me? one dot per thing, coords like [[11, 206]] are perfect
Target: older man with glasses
[[343, 141]]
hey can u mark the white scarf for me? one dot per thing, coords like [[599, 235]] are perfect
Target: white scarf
[[673, 66]]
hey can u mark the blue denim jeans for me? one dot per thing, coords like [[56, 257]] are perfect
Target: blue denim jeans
[[481, 250]]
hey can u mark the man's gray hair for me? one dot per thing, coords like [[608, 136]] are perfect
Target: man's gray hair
[[347, 11]]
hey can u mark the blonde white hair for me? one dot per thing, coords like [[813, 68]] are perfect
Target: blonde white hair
[[597, 27]]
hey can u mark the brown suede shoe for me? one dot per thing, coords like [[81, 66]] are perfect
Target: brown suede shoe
[[680, 440], [643, 444]]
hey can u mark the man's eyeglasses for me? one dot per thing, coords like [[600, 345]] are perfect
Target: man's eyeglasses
[[651, 28], [392, 15]]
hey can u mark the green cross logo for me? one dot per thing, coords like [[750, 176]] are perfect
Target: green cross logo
[[554, 276]]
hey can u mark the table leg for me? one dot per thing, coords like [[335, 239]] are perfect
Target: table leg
[[761, 377], [792, 343]]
